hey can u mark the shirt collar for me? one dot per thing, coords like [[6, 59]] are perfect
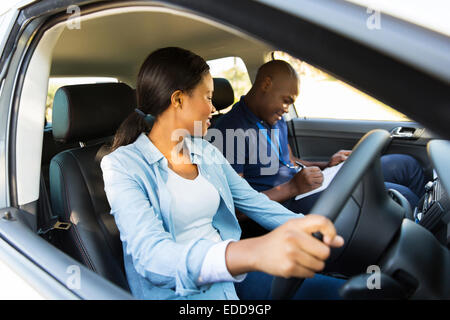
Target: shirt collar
[[152, 153], [194, 145]]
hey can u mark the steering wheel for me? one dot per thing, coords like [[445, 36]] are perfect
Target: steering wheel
[[334, 197]]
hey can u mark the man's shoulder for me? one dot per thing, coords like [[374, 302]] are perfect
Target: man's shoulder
[[234, 119]]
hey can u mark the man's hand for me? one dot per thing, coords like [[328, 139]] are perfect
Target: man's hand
[[338, 157], [309, 178]]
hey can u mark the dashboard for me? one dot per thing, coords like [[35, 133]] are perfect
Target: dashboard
[[433, 211]]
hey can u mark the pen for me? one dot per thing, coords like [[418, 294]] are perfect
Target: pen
[[301, 165]]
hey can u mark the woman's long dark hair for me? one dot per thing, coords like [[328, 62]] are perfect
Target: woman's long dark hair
[[162, 73]]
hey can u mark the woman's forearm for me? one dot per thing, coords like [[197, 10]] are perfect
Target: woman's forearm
[[241, 256], [288, 251]]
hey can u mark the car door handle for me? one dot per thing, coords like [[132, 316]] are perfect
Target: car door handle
[[408, 133]]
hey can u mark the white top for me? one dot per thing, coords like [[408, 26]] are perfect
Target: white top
[[194, 204]]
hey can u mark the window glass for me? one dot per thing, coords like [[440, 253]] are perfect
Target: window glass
[[233, 69], [323, 96], [57, 82]]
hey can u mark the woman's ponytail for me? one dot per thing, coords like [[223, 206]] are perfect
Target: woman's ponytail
[[130, 129]]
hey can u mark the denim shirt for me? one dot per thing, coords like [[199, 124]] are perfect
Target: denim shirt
[[156, 266]]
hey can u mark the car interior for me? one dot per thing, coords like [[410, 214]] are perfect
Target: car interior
[[86, 116], [72, 212]]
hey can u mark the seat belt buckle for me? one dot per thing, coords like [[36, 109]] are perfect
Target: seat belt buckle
[[57, 226], [62, 225]]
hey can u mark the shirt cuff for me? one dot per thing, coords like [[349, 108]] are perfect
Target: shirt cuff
[[214, 268]]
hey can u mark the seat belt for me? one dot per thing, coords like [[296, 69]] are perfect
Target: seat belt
[[47, 222], [291, 131]]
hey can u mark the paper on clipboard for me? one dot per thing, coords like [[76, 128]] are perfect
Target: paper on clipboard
[[328, 175]]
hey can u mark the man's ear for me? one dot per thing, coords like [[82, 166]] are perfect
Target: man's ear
[[266, 84], [176, 99]]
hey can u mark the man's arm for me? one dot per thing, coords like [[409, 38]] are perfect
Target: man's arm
[[306, 180], [335, 159], [321, 164], [281, 192]]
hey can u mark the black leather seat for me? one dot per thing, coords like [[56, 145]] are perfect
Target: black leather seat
[[89, 114], [223, 97]]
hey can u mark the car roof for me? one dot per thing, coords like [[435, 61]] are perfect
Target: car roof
[[6, 5], [431, 14], [107, 44]]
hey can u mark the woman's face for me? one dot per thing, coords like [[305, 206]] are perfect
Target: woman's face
[[197, 107]]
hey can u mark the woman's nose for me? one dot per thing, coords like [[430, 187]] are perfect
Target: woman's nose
[[213, 109]]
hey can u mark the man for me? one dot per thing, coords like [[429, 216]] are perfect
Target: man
[[259, 115]]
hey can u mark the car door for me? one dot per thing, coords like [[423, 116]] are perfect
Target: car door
[[318, 139]]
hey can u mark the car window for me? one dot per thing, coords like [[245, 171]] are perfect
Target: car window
[[57, 82], [234, 70], [323, 96]]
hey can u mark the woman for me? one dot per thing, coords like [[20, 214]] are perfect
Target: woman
[[173, 196]]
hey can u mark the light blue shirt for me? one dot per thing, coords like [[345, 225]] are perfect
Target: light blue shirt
[[156, 266]]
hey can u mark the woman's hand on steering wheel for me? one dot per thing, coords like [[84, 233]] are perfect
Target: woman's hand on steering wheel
[[291, 251]]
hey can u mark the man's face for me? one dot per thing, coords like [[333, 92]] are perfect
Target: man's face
[[279, 94]]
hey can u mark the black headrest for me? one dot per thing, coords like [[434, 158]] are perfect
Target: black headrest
[[90, 111], [223, 95]]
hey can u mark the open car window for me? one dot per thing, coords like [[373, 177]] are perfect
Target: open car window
[[323, 96], [234, 70]]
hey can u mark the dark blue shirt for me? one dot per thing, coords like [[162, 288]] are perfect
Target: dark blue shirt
[[253, 155]]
